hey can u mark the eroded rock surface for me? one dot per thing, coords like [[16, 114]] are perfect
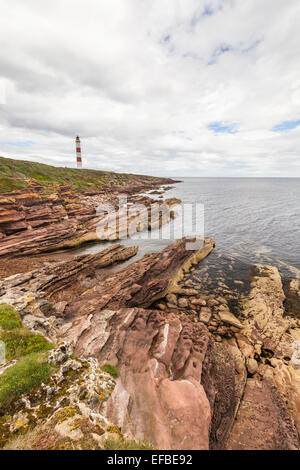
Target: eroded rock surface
[[159, 396], [292, 292], [32, 221], [176, 386], [268, 417], [65, 413], [263, 421], [192, 375]]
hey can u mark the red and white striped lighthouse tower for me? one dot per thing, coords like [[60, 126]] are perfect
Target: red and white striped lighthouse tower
[[78, 153]]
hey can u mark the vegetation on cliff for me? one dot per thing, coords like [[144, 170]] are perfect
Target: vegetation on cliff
[[46, 438], [27, 347], [48, 401], [111, 370], [9, 319], [19, 341], [16, 174], [21, 378]]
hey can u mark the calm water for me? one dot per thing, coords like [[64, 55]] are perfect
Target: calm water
[[252, 220]]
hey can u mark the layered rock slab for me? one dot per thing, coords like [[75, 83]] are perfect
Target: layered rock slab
[[177, 388], [143, 282], [36, 294], [33, 222], [159, 396], [268, 416], [263, 421]]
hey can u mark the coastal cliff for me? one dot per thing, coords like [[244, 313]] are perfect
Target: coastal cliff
[[145, 356]]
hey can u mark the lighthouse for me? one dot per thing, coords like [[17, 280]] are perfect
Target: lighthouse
[[78, 153]]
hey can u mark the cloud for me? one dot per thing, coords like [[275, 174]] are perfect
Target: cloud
[[158, 87]]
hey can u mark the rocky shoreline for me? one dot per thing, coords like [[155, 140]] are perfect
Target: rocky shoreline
[[33, 222], [186, 371]]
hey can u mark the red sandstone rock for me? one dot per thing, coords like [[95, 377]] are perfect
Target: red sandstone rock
[[263, 421], [268, 418], [10, 216], [139, 284], [177, 387], [66, 216], [159, 395]]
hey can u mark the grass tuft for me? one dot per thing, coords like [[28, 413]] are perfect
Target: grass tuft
[[9, 318], [21, 378], [109, 369], [20, 342]]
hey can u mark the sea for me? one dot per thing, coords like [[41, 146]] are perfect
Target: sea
[[252, 220]]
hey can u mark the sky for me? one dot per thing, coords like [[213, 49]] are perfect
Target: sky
[[160, 87]]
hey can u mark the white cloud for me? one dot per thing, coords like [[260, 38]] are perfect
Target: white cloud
[[141, 81]]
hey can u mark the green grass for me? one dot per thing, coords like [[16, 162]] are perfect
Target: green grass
[[20, 342], [9, 319], [122, 443], [29, 349], [109, 369], [15, 174], [21, 378]]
